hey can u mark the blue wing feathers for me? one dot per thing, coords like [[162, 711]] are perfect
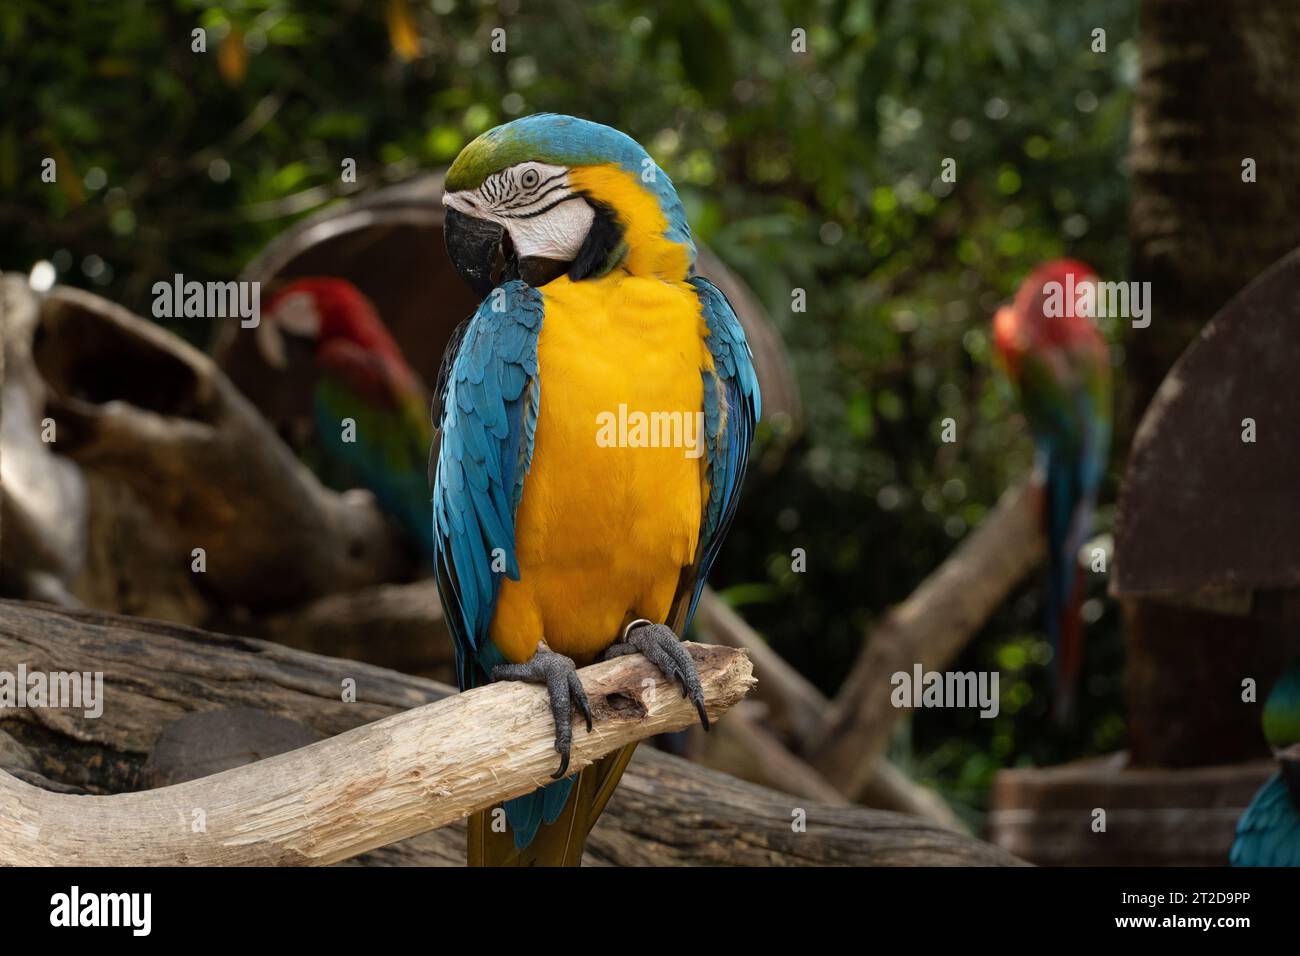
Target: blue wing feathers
[[491, 396], [486, 430], [732, 407], [385, 454]]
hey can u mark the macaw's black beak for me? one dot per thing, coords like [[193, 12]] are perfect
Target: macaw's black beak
[[472, 246]]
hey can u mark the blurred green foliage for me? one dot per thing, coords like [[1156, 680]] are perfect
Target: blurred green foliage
[[816, 171]]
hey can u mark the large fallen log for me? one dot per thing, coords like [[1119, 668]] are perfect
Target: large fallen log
[[178, 460], [44, 504], [397, 626], [666, 811]]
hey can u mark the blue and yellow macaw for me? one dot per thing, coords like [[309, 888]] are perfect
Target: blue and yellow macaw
[[1268, 833], [555, 546]]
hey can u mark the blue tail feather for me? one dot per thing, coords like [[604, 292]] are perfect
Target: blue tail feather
[[526, 814], [1268, 833]]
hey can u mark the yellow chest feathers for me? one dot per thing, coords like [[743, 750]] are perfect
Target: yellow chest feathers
[[610, 512]]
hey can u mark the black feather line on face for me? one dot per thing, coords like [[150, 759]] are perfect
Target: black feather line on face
[[531, 199], [567, 197], [603, 248]]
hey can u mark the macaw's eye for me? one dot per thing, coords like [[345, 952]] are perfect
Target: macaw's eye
[[529, 178]]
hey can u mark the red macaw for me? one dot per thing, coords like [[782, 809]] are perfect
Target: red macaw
[[1059, 364], [371, 408]]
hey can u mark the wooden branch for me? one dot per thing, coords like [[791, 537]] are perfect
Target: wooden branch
[[365, 788], [744, 747], [400, 627], [928, 628], [799, 714], [796, 709], [183, 461], [666, 811], [890, 788], [671, 812]]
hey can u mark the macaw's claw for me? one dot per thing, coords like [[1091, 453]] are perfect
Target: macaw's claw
[[658, 643], [560, 676]]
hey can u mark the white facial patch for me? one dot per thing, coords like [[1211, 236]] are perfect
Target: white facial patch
[[545, 216], [556, 234], [296, 313]]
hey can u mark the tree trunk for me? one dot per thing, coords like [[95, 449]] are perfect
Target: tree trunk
[[1218, 85]]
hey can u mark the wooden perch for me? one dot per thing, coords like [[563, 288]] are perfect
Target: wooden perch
[[366, 788], [177, 460], [928, 628], [666, 811], [400, 627]]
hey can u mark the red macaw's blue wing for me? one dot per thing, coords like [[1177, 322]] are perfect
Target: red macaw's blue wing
[[489, 396], [732, 407], [1268, 833], [388, 442], [1066, 395]]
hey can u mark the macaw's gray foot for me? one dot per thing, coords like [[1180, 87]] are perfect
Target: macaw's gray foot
[[658, 643], [560, 676]]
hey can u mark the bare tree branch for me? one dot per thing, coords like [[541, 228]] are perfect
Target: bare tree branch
[[799, 714], [929, 628]]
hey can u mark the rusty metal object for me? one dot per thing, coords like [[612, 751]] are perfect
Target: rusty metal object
[[1202, 513], [389, 244]]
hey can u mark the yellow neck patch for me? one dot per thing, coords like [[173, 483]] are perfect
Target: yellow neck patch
[[650, 252]]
